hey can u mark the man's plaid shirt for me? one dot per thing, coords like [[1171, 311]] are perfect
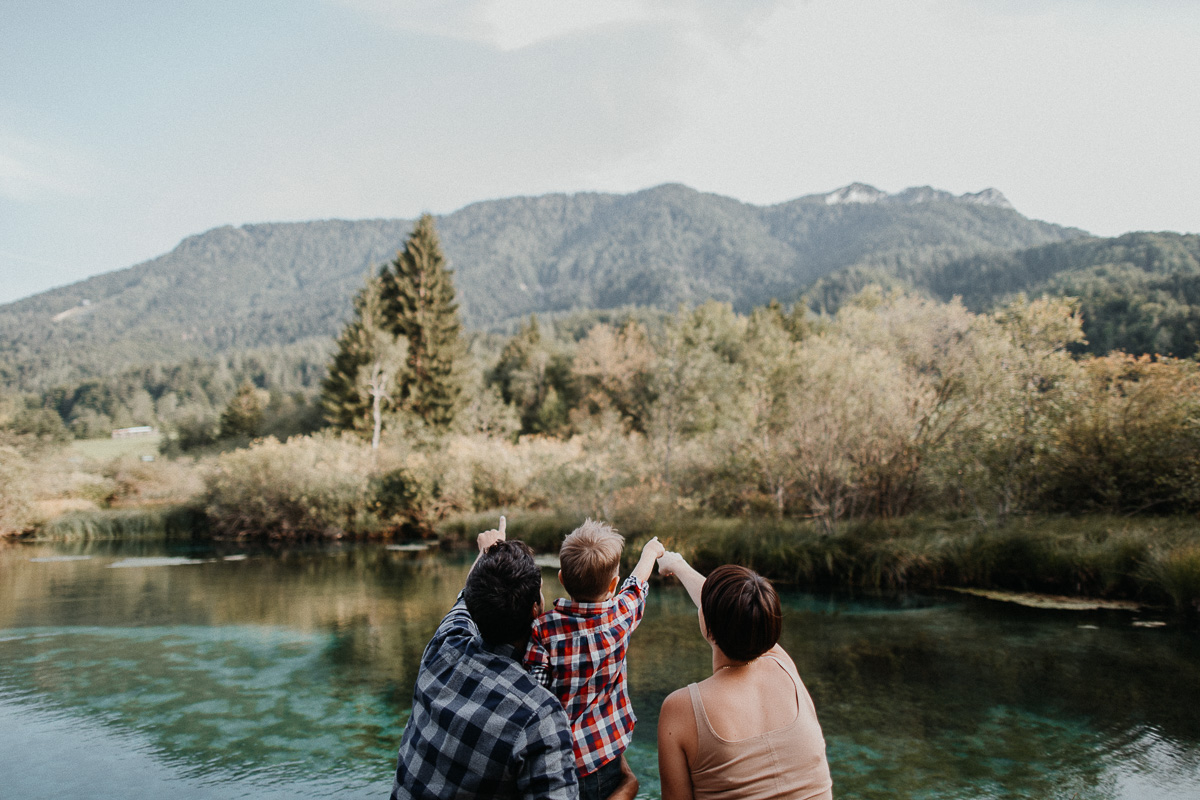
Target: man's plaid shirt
[[577, 651], [480, 725]]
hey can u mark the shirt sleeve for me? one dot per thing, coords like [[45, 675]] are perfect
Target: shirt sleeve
[[537, 661], [547, 770], [457, 622], [631, 603]]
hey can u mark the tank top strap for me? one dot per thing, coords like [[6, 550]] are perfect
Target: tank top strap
[[704, 731], [783, 667], [803, 700]]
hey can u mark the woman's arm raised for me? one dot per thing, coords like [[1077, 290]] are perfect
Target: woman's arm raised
[[675, 564]]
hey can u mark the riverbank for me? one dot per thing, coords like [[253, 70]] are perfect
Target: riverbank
[[1154, 561], [1151, 561]]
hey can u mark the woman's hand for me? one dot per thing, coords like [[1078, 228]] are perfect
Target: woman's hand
[[670, 563]]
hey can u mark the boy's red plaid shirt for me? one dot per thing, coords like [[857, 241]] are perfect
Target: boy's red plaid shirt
[[577, 651]]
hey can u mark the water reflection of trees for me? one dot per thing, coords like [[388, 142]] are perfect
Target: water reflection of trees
[[309, 656]]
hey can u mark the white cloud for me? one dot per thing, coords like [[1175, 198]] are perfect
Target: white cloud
[[515, 24], [1079, 119], [29, 170]]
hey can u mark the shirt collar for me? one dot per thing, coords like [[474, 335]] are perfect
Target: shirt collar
[[566, 605], [503, 650]]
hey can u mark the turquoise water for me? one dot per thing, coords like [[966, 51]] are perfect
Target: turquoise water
[[147, 671]]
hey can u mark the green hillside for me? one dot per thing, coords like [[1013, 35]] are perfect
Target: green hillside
[[1139, 293], [270, 285]]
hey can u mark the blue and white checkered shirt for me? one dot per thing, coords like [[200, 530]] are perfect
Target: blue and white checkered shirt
[[480, 725]]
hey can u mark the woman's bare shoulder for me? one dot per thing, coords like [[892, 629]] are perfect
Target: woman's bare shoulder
[[677, 722], [779, 654], [678, 702]]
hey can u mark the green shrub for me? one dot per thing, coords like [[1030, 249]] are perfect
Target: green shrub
[[404, 497], [160, 481], [1131, 442], [314, 486], [16, 512]]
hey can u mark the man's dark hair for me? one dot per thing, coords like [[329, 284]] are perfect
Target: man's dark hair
[[741, 612], [501, 591]]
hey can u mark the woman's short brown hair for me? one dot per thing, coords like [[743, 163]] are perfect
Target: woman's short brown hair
[[589, 557], [741, 612]]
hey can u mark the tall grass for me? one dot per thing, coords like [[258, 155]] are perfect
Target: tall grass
[[126, 524], [1177, 572], [1154, 561]]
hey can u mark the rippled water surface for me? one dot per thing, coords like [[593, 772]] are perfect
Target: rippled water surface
[[153, 670]]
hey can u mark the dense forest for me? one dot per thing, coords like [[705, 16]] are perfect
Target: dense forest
[[1139, 293], [895, 405]]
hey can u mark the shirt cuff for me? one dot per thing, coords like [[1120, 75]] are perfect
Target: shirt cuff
[[633, 582]]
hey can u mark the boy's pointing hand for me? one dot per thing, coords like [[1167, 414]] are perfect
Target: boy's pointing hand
[[653, 548]]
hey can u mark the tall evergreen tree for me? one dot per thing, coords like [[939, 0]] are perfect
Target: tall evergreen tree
[[243, 415], [418, 301], [346, 397]]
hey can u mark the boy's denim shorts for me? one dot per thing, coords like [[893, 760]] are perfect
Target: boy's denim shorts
[[601, 783]]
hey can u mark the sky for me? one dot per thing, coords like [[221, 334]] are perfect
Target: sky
[[127, 126]]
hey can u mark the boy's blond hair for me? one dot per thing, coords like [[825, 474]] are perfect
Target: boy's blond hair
[[589, 557]]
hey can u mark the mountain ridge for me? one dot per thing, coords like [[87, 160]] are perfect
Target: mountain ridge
[[274, 283]]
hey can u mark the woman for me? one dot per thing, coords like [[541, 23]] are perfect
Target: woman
[[750, 731]]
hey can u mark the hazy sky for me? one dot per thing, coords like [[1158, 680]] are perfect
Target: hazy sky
[[125, 126]]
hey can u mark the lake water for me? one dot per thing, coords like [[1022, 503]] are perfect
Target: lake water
[[149, 670]]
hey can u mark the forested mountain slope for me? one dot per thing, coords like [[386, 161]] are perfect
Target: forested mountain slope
[[277, 283], [1139, 293]]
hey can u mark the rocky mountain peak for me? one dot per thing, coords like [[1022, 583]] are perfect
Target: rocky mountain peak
[[865, 193], [855, 193], [987, 197]]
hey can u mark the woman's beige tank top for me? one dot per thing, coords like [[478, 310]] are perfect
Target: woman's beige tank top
[[788, 762]]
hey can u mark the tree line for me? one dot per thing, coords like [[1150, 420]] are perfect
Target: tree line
[[895, 403]]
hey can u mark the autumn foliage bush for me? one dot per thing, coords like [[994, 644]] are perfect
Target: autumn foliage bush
[[896, 406], [316, 486], [16, 512]]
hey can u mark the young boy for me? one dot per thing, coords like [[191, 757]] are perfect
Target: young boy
[[577, 649]]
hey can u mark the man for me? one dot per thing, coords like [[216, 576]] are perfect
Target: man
[[480, 725]]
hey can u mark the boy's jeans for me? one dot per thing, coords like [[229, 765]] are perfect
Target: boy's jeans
[[601, 783]]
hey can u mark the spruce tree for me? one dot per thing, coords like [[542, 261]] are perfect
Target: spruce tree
[[345, 397], [243, 415], [418, 303]]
